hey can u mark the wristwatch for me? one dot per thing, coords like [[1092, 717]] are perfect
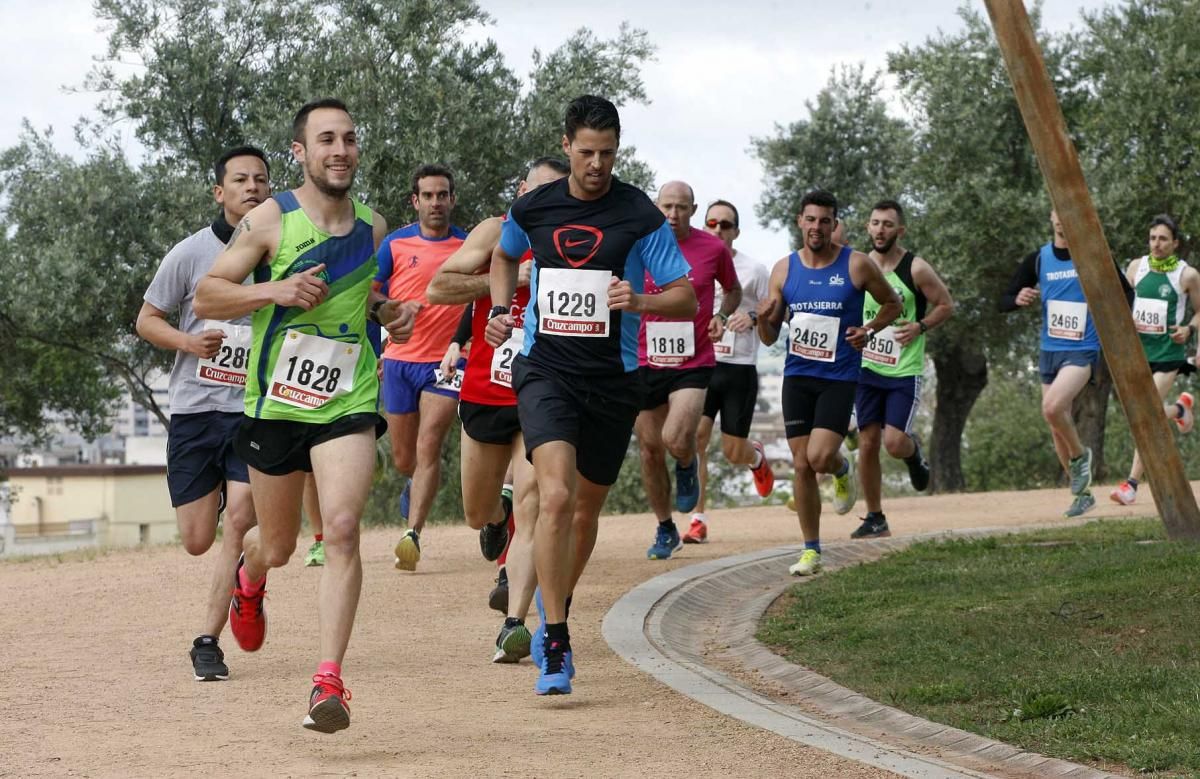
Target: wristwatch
[[723, 316], [373, 312], [497, 311], [924, 327]]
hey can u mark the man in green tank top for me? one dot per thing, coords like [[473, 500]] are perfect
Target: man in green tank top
[[1163, 285], [893, 361], [311, 390]]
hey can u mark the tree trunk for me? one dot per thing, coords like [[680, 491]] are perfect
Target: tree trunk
[[1091, 413], [961, 377]]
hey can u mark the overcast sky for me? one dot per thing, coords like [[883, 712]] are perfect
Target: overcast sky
[[724, 73]]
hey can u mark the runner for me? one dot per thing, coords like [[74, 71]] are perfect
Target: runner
[[1163, 286], [1070, 350], [733, 391], [889, 387], [312, 389], [420, 403], [593, 239], [204, 475], [675, 363], [493, 450], [819, 290]]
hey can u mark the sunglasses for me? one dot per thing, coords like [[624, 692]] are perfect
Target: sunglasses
[[724, 224]]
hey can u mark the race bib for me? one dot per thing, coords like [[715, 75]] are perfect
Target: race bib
[[573, 302], [1150, 316], [227, 368], [502, 358], [670, 343], [311, 370], [444, 382], [1067, 320], [813, 337], [724, 347], [882, 348]]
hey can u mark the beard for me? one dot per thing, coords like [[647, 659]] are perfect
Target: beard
[[325, 187], [886, 247]]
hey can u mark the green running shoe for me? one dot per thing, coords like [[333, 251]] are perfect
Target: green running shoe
[[316, 555], [845, 488], [1082, 504], [512, 644], [1081, 472], [808, 564]]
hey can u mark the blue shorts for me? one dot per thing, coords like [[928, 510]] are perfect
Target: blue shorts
[[887, 400], [403, 383], [1050, 363], [200, 454]]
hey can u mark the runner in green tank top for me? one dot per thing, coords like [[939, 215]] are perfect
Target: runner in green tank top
[[889, 387], [1163, 285], [311, 394]]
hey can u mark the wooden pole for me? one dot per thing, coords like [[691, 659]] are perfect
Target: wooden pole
[[1059, 162]]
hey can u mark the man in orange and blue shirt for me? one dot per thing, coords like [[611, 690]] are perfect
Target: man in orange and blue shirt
[[420, 405]]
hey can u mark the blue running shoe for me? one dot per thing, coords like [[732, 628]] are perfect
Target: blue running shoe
[[666, 542], [536, 645], [687, 486], [404, 499], [554, 677]]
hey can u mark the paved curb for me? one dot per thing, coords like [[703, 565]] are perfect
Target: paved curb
[[666, 628]]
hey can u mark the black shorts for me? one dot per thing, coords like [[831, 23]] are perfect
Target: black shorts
[[278, 447], [823, 403], [732, 393], [200, 454], [1182, 366], [489, 424], [595, 414], [659, 383]]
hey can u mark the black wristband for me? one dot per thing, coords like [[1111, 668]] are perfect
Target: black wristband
[[924, 327], [497, 311], [373, 312]]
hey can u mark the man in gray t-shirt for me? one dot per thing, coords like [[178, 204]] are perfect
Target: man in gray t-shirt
[[206, 397]]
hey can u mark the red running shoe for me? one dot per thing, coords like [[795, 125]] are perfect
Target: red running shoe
[[764, 478], [1188, 419], [697, 533], [247, 619], [327, 709]]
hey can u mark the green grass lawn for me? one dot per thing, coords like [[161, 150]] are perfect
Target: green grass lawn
[[1078, 643]]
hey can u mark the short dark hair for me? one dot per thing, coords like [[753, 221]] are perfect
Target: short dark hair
[[432, 169], [300, 122], [737, 220], [556, 164], [594, 113], [890, 205], [1166, 221], [238, 151], [819, 197]]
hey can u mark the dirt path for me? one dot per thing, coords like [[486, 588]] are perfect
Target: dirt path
[[95, 679]]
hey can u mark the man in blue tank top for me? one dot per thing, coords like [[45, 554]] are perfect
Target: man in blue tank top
[[818, 291]]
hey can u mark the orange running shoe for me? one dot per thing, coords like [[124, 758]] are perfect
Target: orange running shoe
[[697, 532], [247, 618], [764, 478], [327, 709]]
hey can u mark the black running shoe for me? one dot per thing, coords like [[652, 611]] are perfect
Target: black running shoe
[[498, 597], [492, 540], [918, 467], [208, 661], [872, 528]]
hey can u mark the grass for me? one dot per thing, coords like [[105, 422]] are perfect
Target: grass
[[1078, 643]]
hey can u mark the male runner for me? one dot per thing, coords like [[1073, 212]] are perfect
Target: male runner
[[893, 361], [733, 391], [420, 405], [1070, 350], [675, 362], [593, 239], [820, 290], [1163, 286], [205, 395], [491, 434], [312, 389]]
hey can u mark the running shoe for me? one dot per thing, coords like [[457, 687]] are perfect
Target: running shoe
[[697, 532], [845, 488], [208, 661], [493, 539], [852, 439], [247, 617], [408, 551], [687, 486], [498, 597], [223, 498], [791, 503], [1082, 504], [1125, 494], [554, 674], [327, 709], [872, 528], [1081, 473], [808, 564], [513, 643], [764, 477], [666, 542], [918, 467], [1188, 419], [405, 499], [316, 555], [537, 643]]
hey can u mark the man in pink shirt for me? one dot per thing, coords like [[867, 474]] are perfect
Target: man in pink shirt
[[420, 404], [676, 361]]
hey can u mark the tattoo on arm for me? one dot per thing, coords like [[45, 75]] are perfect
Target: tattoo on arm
[[243, 227]]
